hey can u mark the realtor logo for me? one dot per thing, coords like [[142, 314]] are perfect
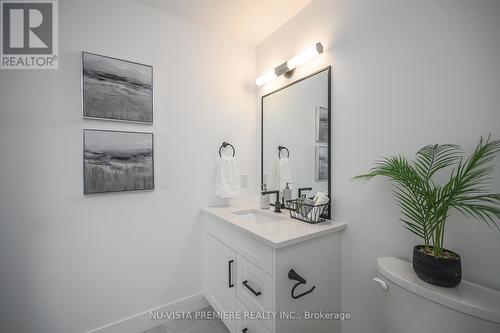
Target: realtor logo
[[29, 35]]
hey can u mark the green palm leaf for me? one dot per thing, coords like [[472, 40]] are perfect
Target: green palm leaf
[[410, 192], [432, 158]]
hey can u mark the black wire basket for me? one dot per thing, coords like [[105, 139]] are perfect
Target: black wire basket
[[305, 212]]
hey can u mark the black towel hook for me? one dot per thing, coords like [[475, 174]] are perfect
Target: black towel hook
[[280, 148], [224, 145], [292, 275]]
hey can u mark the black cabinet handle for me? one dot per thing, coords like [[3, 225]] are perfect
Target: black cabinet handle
[[256, 293], [230, 264], [245, 330]]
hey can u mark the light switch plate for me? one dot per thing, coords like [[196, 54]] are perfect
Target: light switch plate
[[244, 181]]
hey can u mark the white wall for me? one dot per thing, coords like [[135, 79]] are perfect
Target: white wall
[[70, 262], [406, 73]]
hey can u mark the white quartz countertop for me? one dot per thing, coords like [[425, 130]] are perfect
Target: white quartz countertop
[[280, 233]]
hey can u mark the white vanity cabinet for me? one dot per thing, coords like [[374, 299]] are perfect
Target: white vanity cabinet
[[246, 273]]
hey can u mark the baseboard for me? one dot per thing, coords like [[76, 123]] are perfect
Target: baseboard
[[142, 321]]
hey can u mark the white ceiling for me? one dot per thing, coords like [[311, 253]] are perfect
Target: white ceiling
[[250, 21]]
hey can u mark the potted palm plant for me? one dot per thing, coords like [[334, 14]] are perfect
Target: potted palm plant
[[426, 204]]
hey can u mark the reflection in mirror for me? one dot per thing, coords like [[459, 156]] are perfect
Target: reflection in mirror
[[296, 137]]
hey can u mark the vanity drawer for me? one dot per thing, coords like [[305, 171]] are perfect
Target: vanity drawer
[[249, 325], [254, 287], [238, 240]]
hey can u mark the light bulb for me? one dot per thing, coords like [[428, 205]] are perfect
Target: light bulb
[[265, 78], [305, 56]]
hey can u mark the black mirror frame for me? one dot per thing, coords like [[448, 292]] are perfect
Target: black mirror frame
[[329, 70]]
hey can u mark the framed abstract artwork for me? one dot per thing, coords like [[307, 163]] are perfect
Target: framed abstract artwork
[[321, 124], [116, 161], [321, 164], [114, 89]]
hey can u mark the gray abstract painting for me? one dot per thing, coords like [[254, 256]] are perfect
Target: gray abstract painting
[[321, 124], [321, 163], [116, 89], [117, 161]]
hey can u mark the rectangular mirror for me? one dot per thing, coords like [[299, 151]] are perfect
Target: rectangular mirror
[[296, 123]]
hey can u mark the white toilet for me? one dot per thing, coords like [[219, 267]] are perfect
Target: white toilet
[[411, 305]]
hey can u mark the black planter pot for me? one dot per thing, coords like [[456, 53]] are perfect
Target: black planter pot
[[443, 272]]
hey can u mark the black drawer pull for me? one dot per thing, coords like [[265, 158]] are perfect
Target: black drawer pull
[[256, 293], [245, 330], [230, 264]]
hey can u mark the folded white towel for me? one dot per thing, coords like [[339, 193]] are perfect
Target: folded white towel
[[282, 173], [321, 199], [226, 184]]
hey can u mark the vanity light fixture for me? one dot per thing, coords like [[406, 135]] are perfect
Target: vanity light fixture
[[265, 78], [287, 68]]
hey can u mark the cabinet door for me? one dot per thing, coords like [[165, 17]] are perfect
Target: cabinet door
[[220, 277]]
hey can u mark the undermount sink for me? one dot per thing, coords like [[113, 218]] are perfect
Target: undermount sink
[[257, 216]]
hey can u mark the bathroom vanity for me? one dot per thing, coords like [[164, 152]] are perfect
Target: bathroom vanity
[[248, 257]]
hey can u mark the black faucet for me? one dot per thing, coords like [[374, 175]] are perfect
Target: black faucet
[[277, 204], [304, 189]]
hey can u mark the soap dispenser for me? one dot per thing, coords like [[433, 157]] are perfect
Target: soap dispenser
[[287, 193], [264, 198]]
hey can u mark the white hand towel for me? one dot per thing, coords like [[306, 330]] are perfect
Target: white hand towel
[[282, 173], [227, 185]]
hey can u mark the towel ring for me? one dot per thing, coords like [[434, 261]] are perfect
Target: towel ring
[[224, 145], [280, 148], [292, 275]]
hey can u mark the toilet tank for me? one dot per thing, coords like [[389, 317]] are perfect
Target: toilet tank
[[411, 305]]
